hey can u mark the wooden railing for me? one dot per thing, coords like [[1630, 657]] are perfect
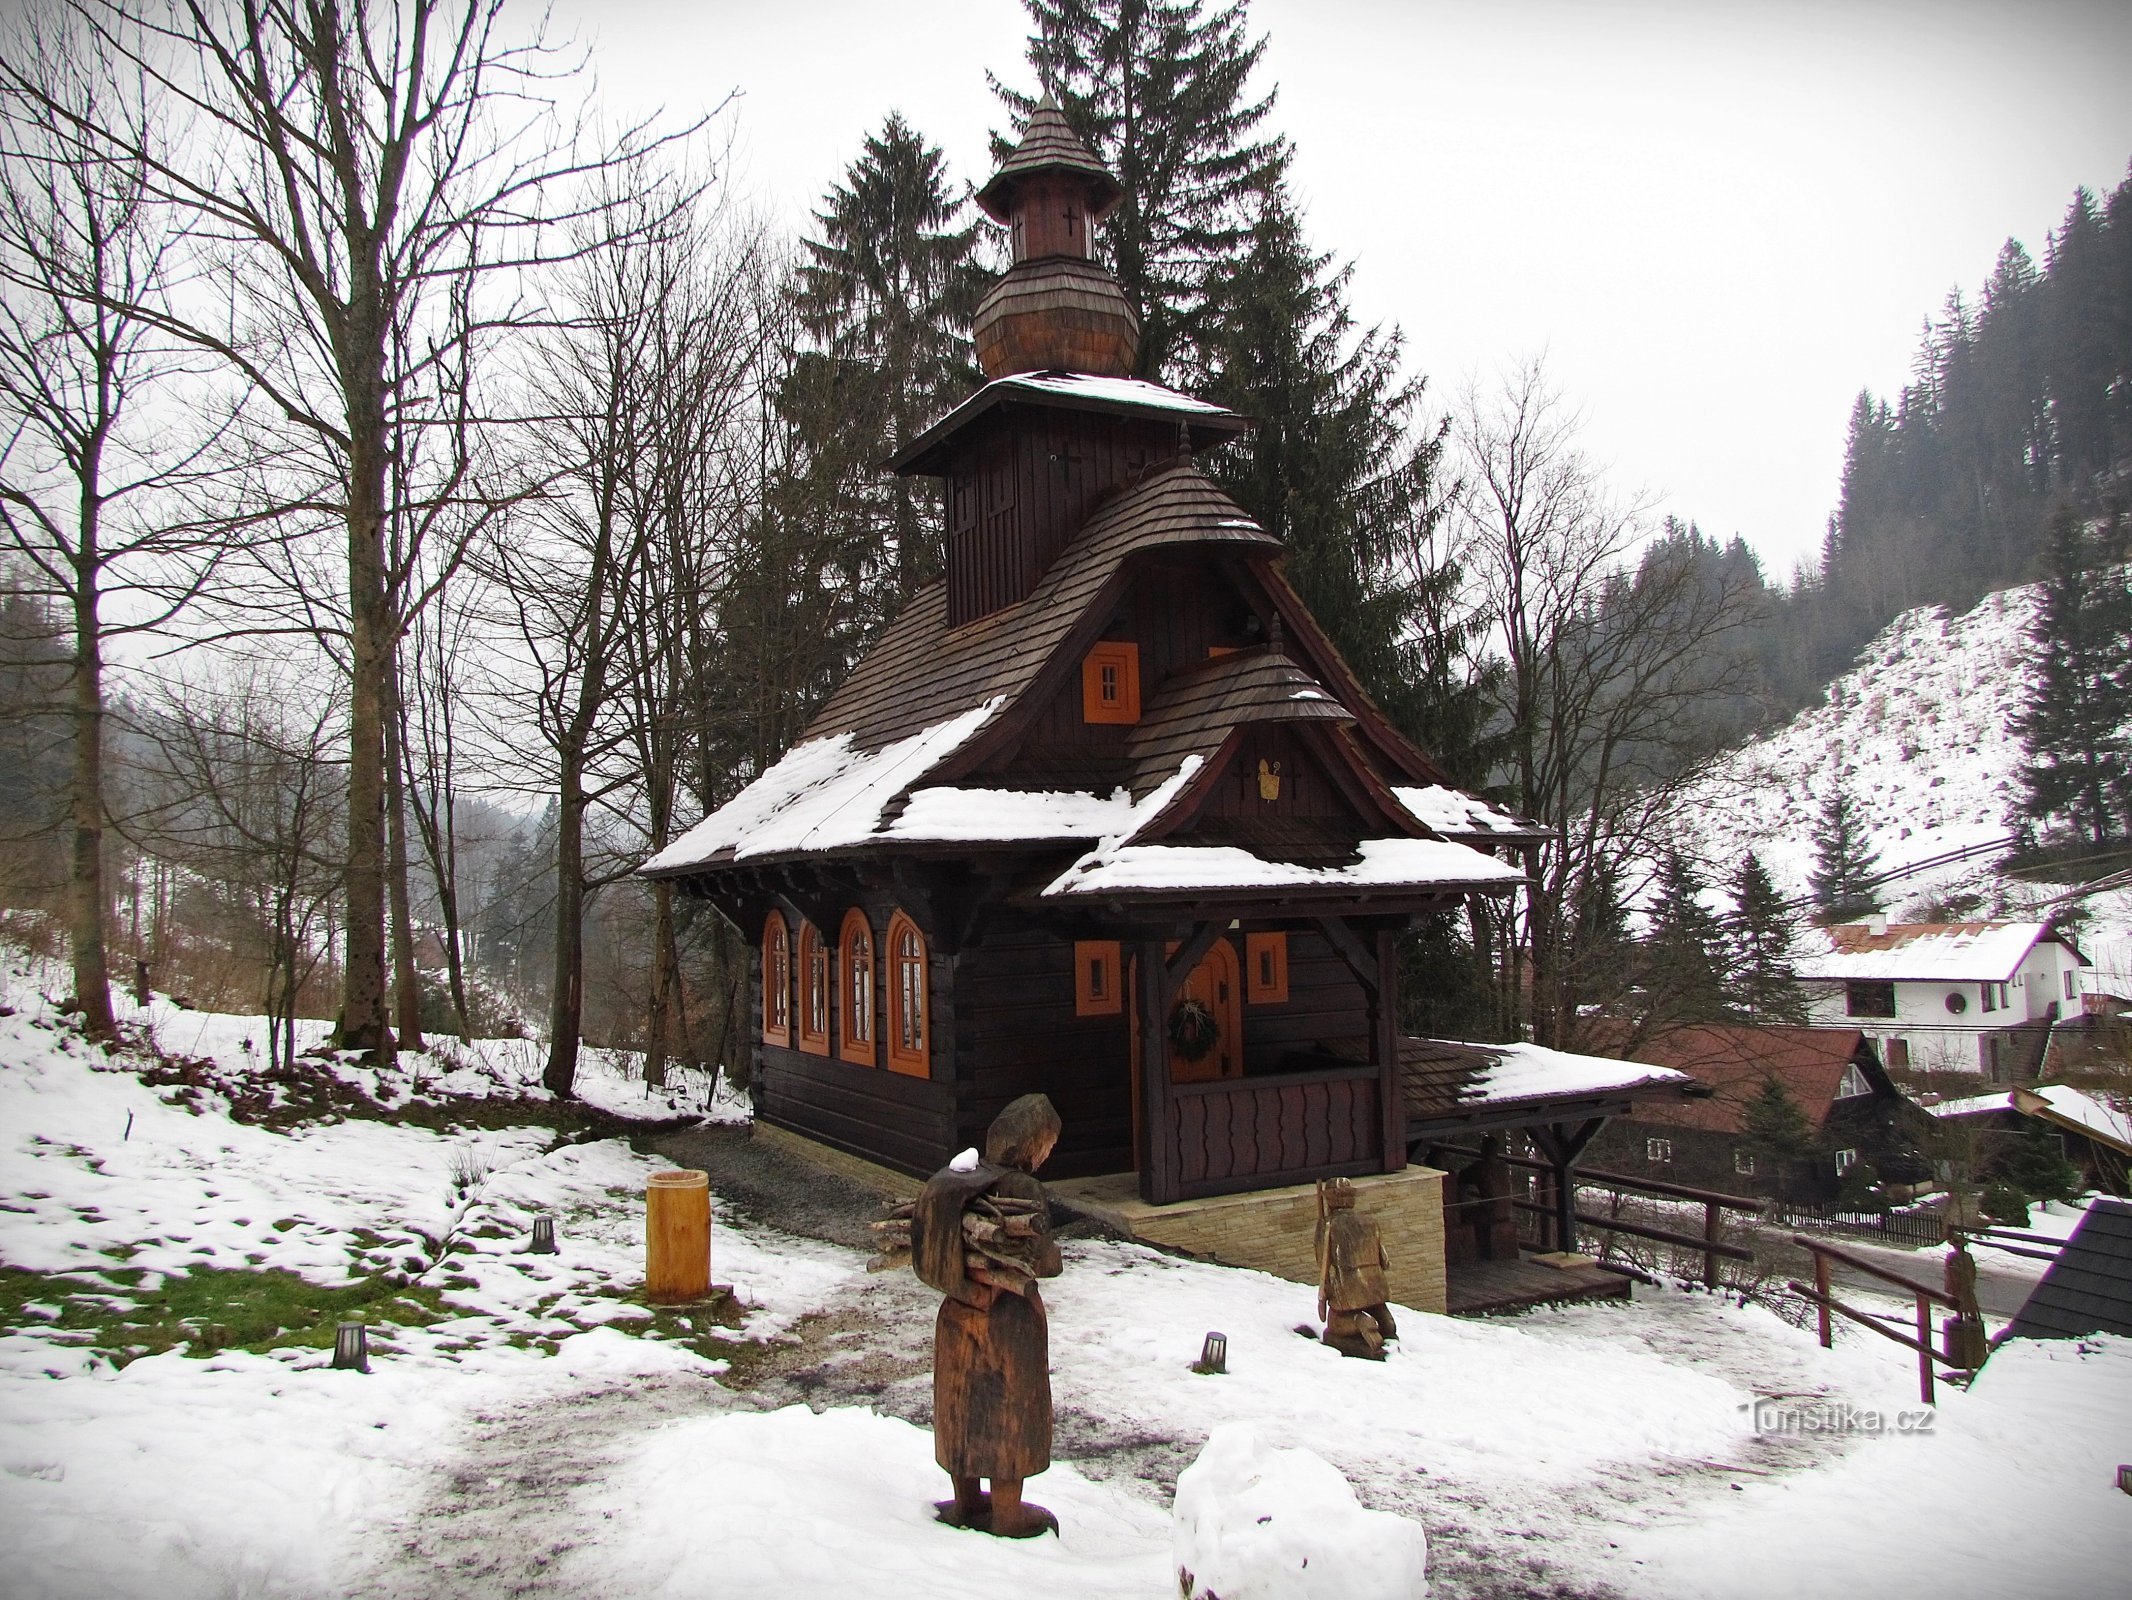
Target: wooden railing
[[1923, 1294], [1709, 1245], [1255, 1133]]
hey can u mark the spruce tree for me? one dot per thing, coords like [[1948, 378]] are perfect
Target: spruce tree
[[1760, 987], [1775, 1129], [1684, 951], [1844, 862], [2077, 773], [885, 296], [1338, 472], [1160, 90]]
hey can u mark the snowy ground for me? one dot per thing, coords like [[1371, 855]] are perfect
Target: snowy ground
[[529, 1427]]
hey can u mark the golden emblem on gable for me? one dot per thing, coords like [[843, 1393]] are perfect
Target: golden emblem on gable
[[1269, 780]]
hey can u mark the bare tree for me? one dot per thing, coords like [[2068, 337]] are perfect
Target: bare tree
[[364, 179], [1609, 644], [693, 498], [92, 473], [249, 795]]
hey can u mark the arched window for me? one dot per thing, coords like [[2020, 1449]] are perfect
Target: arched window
[[814, 992], [855, 958], [776, 981], [908, 1051]]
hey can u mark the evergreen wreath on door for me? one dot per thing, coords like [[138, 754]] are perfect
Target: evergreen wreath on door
[[1194, 1029]]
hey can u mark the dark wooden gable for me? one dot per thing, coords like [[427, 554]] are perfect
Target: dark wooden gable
[[1020, 485]]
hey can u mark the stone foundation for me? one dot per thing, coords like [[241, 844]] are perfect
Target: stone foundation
[[1274, 1230]]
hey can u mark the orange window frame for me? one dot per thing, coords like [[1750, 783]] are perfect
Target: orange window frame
[[813, 1020], [1096, 989], [1110, 683], [856, 991], [1266, 968], [909, 1008], [776, 980]]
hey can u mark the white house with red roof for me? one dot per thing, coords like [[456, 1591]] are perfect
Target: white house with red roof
[[1946, 996]]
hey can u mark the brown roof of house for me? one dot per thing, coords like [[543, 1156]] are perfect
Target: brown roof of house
[[1733, 1062], [1198, 706], [922, 671], [1049, 144]]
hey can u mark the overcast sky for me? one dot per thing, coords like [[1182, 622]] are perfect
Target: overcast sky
[[1718, 220]]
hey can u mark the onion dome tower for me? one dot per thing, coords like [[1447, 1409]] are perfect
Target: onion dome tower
[[1056, 308]]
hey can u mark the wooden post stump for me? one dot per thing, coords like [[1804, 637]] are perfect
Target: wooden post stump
[[677, 1237]]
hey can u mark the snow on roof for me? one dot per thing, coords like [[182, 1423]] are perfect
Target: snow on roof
[[2070, 1105], [949, 815], [1532, 1071], [1952, 952], [1113, 391], [1384, 863], [1450, 810], [821, 795], [2066, 1105]]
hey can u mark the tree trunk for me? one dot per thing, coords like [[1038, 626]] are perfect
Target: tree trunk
[[566, 1005], [363, 1024], [659, 1024], [407, 983], [85, 879]]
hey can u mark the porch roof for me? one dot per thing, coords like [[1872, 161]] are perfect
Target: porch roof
[[1452, 1084]]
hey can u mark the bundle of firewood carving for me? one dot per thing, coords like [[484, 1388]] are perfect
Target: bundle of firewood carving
[[1002, 1236]]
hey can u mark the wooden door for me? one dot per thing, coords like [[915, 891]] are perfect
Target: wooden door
[[1218, 981]]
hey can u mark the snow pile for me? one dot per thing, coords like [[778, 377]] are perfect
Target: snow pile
[[793, 1503], [1258, 1523]]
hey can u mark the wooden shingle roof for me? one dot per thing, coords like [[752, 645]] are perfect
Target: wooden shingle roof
[[1196, 709], [1049, 144], [2088, 1289], [923, 672]]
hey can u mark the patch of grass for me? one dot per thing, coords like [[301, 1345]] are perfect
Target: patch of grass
[[131, 1313]]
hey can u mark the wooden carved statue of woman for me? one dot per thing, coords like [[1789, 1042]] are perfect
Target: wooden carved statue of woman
[[980, 1234], [1352, 1293]]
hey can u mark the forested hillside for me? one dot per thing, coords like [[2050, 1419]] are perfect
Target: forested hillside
[[2021, 400]]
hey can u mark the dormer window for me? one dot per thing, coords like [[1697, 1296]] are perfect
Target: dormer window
[[1110, 683]]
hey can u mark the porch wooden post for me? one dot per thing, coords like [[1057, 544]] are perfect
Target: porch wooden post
[[1158, 1153], [1384, 1037]]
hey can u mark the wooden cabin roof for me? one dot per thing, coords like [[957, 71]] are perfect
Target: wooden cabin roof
[[1449, 1082], [1196, 709], [923, 671]]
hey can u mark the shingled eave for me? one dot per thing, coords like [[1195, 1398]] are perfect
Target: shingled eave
[[1208, 424]]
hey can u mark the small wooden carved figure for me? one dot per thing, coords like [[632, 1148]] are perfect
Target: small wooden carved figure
[[1352, 1294], [980, 1234]]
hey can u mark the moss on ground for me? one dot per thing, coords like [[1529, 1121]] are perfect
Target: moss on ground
[[124, 1313]]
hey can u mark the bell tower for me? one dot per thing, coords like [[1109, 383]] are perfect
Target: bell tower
[[1056, 308]]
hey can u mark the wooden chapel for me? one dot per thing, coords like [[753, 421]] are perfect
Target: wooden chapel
[[1103, 814]]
